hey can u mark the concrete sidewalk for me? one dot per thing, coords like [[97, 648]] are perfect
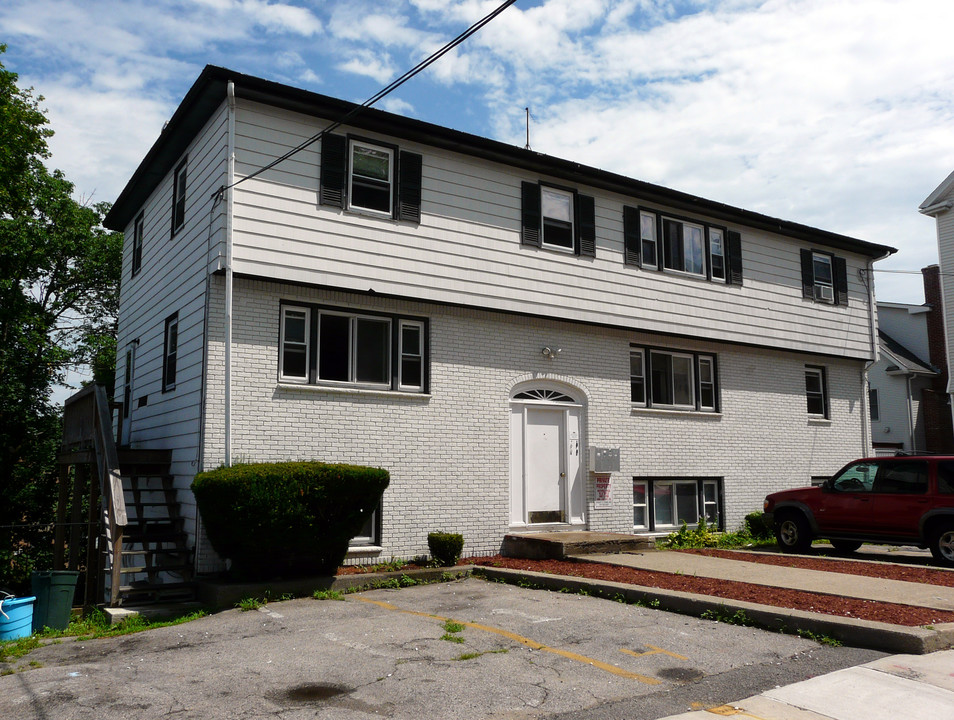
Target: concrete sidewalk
[[831, 583], [897, 686]]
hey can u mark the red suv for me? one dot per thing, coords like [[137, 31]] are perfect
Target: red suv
[[893, 500]]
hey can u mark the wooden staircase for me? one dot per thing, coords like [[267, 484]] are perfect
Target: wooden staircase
[[156, 563]]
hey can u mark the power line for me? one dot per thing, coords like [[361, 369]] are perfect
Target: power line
[[909, 272], [421, 66]]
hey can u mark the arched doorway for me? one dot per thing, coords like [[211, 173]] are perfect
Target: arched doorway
[[546, 445]]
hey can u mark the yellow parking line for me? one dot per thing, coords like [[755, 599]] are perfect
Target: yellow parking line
[[655, 651], [526, 641]]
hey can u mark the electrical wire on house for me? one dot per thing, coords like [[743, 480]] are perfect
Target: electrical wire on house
[[420, 67]]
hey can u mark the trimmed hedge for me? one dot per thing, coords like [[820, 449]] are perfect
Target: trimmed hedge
[[445, 547], [286, 519]]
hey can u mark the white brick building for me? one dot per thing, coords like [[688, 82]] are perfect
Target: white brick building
[[476, 318]]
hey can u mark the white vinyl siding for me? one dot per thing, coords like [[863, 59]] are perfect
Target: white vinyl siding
[[467, 251]]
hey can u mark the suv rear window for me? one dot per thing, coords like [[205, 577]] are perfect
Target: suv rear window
[[902, 477], [945, 477]]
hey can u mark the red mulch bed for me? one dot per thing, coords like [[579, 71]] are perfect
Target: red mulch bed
[[778, 597]]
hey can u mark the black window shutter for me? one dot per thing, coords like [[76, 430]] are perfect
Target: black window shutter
[[840, 270], [808, 275], [530, 214], [409, 187], [331, 188], [586, 225], [733, 249], [631, 236]]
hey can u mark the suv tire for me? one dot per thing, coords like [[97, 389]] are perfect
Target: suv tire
[[792, 533], [942, 544]]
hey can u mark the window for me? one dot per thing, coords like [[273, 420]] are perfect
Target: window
[[329, 346], [294, 344], [370, 532], [716, 254], [658, 242], [411, 352], [558, 219], [557, 209], [672, 380], [170, 350], [137, 244], [647, 239], [824, 277], [683, 247], [662, 504], [369, 177], [874, 405], [816, 391], [178, 197]]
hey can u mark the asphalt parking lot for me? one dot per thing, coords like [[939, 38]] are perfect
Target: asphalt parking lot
[[466, 649]]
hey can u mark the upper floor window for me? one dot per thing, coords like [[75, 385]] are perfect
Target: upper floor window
[[824, 277], [656, 241], [874, 405], [816, 391], [178, 197], [137, 244], [672, 380], [370, 180], [327, 346], [557, 209], [170, 352], [683, 247], [369, 177], [558, 218]]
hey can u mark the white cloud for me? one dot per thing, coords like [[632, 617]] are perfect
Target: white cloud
[[370, 64]]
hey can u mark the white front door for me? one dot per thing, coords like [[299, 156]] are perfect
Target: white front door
[[546, 484], [545, 465]]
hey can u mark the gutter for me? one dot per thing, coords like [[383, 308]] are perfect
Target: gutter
[[937, 208], [228, 276]]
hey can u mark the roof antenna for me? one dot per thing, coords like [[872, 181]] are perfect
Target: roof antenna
[[527, 146]]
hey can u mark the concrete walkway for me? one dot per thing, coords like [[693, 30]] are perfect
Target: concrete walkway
[[894, 687], [832, 583]]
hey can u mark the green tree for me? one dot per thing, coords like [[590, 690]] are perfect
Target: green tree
[[59, 281]]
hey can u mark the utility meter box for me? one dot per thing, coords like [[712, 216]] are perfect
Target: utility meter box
[[604, 460]]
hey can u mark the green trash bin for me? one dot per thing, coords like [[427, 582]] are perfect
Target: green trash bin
[[54, 598]]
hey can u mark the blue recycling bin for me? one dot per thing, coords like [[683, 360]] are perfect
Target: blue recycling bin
[[16, 617]]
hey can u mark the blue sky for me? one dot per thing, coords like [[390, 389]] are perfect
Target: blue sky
[[833, 113]]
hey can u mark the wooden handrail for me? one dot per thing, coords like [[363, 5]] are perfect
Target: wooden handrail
[[87, 422]]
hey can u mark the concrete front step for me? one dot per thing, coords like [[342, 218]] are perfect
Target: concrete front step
[[560, 545]]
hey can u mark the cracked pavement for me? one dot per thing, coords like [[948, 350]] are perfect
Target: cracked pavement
[[525, 654]]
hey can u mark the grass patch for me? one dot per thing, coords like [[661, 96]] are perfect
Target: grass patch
[[753, 532], [452, 638], [328, 595], [453, 627], [821, 639], [472, 655], [724, 616]]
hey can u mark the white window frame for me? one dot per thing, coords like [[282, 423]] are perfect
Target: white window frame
[[639, 377], [555, 221], [138, 232], [717, 240], [179, 186], [672, 378], [283, 342], [405, 352], [354, 319], [713, 518], [170, 352], [644, 505], [683, 224], [353, 145], [819, 373], [648, 238], [708, 361], [824, 289]]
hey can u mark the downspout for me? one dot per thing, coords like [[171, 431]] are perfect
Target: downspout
[[912, 439], [866, 439], [228, 278]]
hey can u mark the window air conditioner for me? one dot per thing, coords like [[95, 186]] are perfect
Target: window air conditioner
[[825, 293]]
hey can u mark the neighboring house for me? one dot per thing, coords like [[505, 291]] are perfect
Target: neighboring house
[[939, 205], [524, 342]]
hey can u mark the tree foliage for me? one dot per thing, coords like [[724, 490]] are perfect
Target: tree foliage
[[59, 281]]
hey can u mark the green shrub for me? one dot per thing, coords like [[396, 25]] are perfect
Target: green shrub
[[286, 519], [445, 547], [700, 536], [758, 526]]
